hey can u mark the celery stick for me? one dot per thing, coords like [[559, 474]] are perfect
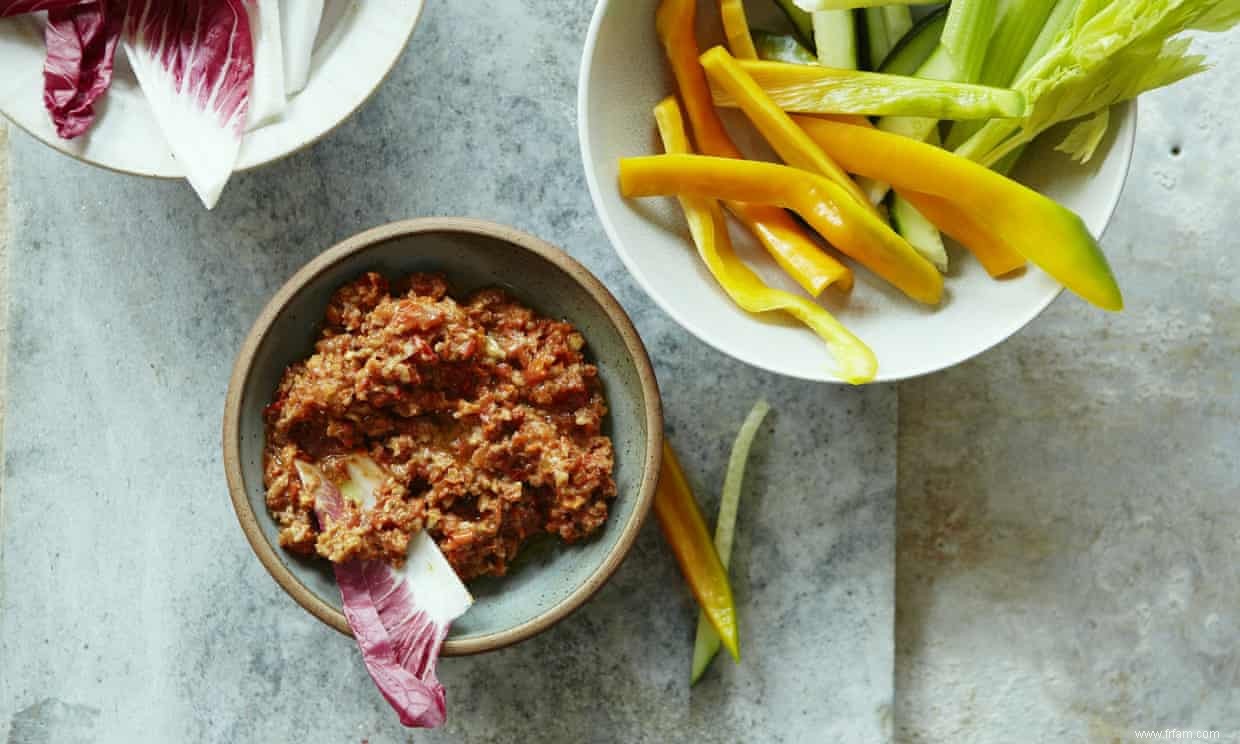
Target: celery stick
[[706, 644], [960, 61], [1018, 30], [968, 30], [978, 142], [825, 90], [835, 35]]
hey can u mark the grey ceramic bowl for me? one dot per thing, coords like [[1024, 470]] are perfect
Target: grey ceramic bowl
[[549, 579]]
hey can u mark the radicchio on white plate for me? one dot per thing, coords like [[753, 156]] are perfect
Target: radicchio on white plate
[[399, 618], [195, 62]]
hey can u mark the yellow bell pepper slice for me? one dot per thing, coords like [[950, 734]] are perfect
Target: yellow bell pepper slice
[[681, 520], [827, 208], [787, 242], [1044, 232], [736, 28], [789, 140], [991, 252], [855, 361]]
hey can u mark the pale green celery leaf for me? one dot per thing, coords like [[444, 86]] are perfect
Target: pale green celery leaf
[[1086, 135], [1114, 51]]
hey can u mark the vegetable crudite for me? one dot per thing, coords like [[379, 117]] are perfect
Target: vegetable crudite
[[399, 638], [957, 92]]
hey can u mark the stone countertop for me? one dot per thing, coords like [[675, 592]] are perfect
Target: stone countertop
[[131, 607], [1068, 512]]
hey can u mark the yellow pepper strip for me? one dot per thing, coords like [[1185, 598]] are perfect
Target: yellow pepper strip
[[736, 28], [1033, 225], [991, 252], [856, 362], [791, 247], [680, 517], [827, 208], [789, 140]]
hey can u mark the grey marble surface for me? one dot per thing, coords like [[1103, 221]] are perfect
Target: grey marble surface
[[131, 608], [1069, 503]]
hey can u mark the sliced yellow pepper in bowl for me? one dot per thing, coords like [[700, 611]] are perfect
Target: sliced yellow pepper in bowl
[[1048, 234], [788, 243], [827, 208], [855, 361]]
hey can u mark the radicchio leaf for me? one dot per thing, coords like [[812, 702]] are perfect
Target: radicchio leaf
[[399, 618], [19, 7], [81, 48], [195, 62]]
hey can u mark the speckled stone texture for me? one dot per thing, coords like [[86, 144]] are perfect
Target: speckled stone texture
[[1070, 503], [131, 608]]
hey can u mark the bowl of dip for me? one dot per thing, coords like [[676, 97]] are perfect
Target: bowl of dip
[[514, 319]]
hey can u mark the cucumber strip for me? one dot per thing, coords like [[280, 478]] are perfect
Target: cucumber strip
[[915, 47], [916, 229], [706, 644], [878, 38], [782, 48], [899, 21], [802, 22], [825, 90], [967, 34], [835, 36]]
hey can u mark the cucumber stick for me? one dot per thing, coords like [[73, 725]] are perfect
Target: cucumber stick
[[916, 229], [802, 22], [835, 35], [883, 28], [877, 38], [782, 48], [913, 48]]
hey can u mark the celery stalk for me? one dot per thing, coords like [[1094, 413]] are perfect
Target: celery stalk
[[969, 22], [968, 30], [1019, 29], [706, 644], [823, 90]]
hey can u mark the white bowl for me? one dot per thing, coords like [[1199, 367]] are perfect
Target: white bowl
[[623, 76], [358, 44]]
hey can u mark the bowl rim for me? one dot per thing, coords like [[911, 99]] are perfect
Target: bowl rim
[[1125, 139], [266, 160], [652, 405]]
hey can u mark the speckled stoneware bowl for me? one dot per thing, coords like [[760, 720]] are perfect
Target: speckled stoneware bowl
[[549, 579]]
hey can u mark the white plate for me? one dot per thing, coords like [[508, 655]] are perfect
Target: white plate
[[358, 44], [623, 76]]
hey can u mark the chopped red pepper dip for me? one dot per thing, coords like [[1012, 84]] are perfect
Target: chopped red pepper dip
[[485, 417]]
